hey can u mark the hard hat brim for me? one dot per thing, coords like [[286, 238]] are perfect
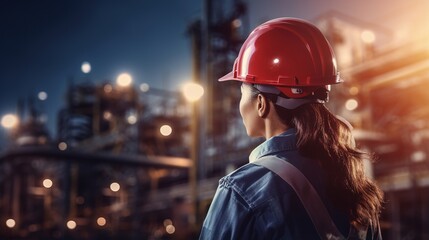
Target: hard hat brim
[[228, 77]]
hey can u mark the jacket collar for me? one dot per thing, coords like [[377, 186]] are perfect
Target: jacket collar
[[285, 141]]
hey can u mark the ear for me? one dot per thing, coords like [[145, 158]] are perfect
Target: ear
[[263, 106]]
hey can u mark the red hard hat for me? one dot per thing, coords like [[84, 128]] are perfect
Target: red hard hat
[[288, 53]]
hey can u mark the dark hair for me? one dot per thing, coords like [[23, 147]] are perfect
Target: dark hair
[[322, 136]]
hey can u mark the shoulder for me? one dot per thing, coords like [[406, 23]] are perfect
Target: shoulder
[[255, 185]]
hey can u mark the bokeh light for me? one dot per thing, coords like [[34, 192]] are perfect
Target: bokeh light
[[236, 23], [192, 91], [101, 221], [71, 224], [107, 88], [351, 104], [10, 223], [144, 87], [9, 121], [107, 115], [47, 183], [354, 90], [124, 80], [42, 96], [132, 119], [114, 186], [170, 229], [86, 67], [62, 146], [165, 130], [368, 36], [167, 222]]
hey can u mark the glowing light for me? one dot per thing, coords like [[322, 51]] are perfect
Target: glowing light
[[107, 115], [132, 119], [107, 88], [10, 223], [42, 96], [62, 146], [9, 121], [276, 60], [368, 36], [115, 186], [124, 80], [71, 224], [351, 104], [236, 23], [165, 130], [167, 222], [192, 91], [144, 87], [47, 183], [86, 67], [170, 229], [418, 156], [354, 90], [101, 221]]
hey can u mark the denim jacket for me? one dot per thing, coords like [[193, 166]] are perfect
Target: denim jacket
[[254, 203]]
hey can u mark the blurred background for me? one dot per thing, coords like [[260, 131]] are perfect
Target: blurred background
[[113, 125]]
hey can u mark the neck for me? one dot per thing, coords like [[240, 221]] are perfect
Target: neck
[[274, 127]]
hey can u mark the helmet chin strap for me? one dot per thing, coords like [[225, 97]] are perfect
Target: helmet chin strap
[[288, 103]]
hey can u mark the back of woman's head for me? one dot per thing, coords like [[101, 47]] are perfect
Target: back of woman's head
[[325, 138]]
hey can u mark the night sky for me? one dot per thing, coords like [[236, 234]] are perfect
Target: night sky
[[43, 43]]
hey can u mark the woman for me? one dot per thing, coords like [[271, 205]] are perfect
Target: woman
[[286, 67]]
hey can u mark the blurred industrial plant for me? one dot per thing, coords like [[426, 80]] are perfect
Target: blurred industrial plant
[[134, 162]]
